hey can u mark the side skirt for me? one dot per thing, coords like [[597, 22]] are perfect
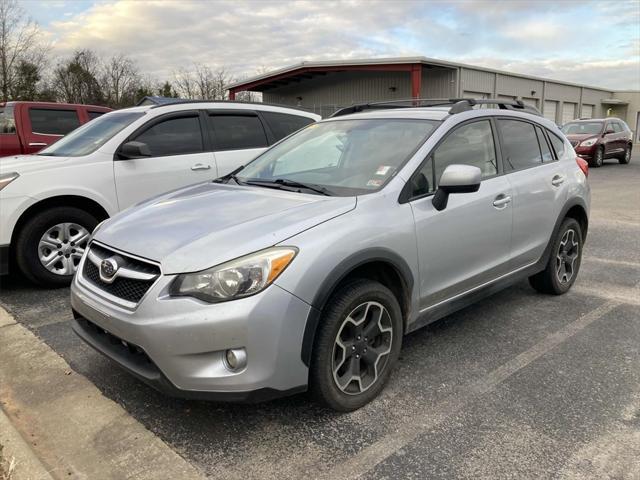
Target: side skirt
[[442, 309]]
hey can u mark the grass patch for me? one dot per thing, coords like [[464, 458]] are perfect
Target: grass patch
[[7, 467]]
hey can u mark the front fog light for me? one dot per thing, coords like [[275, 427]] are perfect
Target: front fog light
[[235, 358]]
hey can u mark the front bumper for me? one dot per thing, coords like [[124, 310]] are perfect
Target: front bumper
[[177, 345], [586, 152]]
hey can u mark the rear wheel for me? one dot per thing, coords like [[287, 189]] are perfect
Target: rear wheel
[[626, 156], [50, 245], [357, 345], [598, 158], [564, 262]]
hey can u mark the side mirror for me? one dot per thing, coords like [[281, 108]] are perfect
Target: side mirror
[[131, 150], [456, 179], [608, 131]]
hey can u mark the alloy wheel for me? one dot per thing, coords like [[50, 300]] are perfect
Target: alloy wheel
[[627, 155], [361, 349], [61, 247], [566, 257], [599, 157]]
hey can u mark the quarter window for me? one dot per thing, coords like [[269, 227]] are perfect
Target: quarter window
[[49, 121], [93, 115], [547, 156], [557, 143], [174, 136], [237, 132], [470, 144], [520, 145], [283, 125], [7, 121]]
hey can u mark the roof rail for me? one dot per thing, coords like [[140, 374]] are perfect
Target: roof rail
[[466, 104], [181, 102], [388, 104], [459, 105]]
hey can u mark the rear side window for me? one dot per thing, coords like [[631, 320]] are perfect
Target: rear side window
[[520, 145], [7, 121], [50, 121], [557, 143], [174, 136], [547, 156], [237, 132], [93, 115], [283, 124]]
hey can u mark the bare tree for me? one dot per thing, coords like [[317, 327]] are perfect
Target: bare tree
[[120, 81], [19, 43], [202, 83]]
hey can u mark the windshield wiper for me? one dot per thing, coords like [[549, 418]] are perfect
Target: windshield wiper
[[229, 176], [283, 182]]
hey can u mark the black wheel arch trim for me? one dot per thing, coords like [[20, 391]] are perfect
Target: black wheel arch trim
[[338, 274], [571, 203]]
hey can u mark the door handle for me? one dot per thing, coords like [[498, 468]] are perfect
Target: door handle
[[557, 180], [200, 166], [37, 144], [501, 201]]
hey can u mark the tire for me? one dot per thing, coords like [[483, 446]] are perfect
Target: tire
[[31, 244], [598, 159], [626, 156], [365, 301], [553, 279]]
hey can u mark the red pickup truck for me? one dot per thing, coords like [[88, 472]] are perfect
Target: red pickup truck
[[27, 127]]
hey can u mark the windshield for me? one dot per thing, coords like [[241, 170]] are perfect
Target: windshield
[[91, 136], [347, 157], [582, 128]]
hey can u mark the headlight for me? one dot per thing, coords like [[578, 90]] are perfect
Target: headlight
[[238, 278], [589, 142], [7, 178]]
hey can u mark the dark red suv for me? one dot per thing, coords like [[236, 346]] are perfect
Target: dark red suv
[[27, 127], [598, 138]]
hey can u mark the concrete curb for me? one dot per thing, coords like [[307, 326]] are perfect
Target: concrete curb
[[75, 432], [27, 464]]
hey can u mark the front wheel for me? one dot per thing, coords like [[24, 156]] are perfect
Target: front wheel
[[626, 156], [357, 345], [598, 158], [50, 245], [564, 262]]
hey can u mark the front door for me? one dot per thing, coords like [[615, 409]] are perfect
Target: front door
[[178, 158], [467, 244]]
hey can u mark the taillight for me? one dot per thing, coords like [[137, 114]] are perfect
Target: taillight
[[584, 165]]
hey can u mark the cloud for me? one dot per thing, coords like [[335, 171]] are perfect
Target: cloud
[[244, 35]]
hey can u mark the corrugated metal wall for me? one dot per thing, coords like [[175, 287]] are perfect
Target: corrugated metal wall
[[325, 94]]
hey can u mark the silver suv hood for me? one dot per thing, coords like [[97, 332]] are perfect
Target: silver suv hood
[[197, 227]]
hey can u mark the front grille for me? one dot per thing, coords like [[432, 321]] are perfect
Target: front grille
[[128, 289]]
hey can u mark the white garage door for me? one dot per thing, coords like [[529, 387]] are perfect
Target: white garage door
[[469, 94], [568, 112], [550, 109], [587, 111], [530, 101]]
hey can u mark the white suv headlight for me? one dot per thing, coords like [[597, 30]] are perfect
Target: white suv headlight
[[238, 278], [7, 178], [589, 142]]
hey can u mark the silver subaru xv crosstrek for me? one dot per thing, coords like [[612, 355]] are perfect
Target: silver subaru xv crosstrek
[[305, 269]]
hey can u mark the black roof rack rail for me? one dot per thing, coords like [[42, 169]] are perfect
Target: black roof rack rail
[[181, 102], [402, 103], [466, 104], [459, 105]]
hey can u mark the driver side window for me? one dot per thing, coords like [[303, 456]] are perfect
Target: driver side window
[[471, 144]]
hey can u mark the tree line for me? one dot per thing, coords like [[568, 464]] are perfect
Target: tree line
[[27, 71]]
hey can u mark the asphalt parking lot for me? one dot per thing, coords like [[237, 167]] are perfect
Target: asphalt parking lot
[[520, 385]]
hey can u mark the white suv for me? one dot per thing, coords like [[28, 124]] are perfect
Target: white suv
[[50, 202]]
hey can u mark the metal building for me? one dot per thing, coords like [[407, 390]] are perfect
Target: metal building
[[329, 85]]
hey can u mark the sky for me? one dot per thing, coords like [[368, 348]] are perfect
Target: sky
[[589, 42]]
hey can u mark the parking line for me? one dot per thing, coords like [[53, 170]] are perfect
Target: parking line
[[406, 431], [630, 296], [608, 261]]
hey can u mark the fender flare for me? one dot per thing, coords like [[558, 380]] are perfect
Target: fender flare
[[376, 254]]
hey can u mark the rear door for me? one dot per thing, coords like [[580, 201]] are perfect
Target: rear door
[[180, 156], [539, 185], [44, 125], [238, 136]]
